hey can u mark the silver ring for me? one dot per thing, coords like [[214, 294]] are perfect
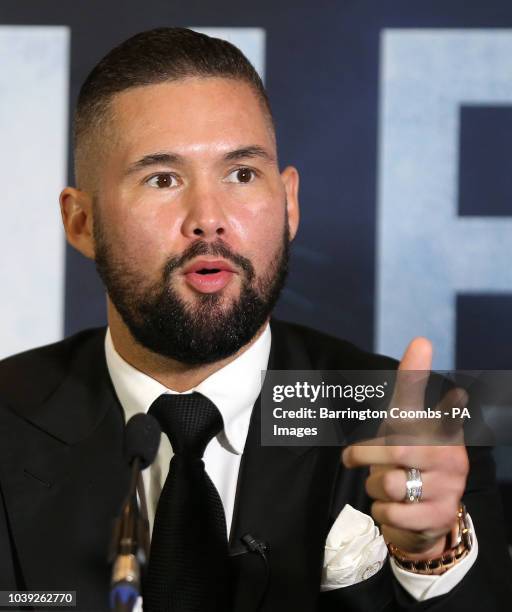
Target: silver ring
[[413, 485]]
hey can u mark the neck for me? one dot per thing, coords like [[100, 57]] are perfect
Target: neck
[[172, 374]]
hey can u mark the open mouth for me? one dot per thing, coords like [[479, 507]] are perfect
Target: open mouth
[[208, 271], [208, 276]]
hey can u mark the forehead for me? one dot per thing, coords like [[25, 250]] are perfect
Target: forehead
[[190, 115]]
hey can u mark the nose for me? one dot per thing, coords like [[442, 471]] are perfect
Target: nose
[[205, 215]]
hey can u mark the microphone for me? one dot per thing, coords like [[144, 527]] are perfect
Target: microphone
[[253, 545], [141, 439], [130, 542]]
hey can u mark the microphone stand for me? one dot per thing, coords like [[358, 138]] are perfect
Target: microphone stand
[[130, 546]]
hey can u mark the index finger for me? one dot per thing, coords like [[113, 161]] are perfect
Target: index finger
[[378, 452]]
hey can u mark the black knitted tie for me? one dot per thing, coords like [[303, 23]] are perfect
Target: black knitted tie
[[188, 560]]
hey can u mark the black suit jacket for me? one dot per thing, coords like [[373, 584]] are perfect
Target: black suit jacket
[[63, 479]]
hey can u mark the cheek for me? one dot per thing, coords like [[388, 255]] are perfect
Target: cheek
[[259, 232], [258, 221], [141, 230]]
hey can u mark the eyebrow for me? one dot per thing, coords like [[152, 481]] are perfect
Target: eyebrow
[[249, 152], [170, 159], [155, 159]]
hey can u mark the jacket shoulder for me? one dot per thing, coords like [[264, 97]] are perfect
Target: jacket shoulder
[[327, 352], [32, 375]]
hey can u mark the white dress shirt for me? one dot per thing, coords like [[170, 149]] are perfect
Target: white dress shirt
[[234, 390]]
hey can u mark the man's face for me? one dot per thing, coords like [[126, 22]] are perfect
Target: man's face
[[191, 219]]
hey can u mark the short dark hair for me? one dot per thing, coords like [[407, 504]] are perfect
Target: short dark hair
[[157, 56]]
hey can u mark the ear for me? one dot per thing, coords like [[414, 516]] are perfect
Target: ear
[[76, 211], [290, 178]]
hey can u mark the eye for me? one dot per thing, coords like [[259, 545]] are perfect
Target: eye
[[241, 175], [164, 180]]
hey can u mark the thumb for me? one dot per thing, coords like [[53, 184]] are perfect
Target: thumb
[[417, 355]]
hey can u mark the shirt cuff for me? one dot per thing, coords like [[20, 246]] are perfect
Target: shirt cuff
[[423, 587]]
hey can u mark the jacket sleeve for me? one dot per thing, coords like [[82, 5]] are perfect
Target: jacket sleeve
[[7, 562], [10, 573]]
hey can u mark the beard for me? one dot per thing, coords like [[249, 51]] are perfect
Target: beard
[[200, 331]]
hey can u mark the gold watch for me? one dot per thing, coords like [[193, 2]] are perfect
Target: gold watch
[[460, 545]]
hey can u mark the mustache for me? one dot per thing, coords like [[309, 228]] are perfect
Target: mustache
[[218, 249]]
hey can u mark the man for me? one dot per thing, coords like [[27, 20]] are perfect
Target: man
[[180, 202]]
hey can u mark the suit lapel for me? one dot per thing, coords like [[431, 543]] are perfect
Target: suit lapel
[[283, 499], [61, 500]]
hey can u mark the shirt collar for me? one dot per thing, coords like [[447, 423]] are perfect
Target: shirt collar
[[233, 389]]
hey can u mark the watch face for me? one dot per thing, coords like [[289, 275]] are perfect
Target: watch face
[[466, 537]]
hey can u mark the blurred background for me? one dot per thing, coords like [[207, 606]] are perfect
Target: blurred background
[[398, 116]]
